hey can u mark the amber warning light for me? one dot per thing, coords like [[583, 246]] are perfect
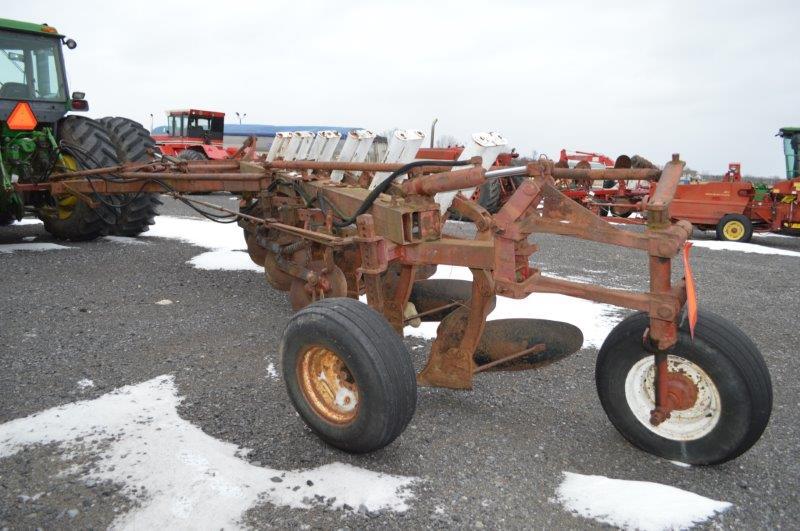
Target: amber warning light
[[22, 118]]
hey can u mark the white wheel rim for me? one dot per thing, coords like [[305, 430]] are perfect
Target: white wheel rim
[[685, 424]]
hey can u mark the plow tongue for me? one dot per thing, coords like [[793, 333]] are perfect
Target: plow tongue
[[434, 299], [542, 342]]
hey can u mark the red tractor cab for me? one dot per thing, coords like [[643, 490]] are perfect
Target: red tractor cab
[[193, 134]]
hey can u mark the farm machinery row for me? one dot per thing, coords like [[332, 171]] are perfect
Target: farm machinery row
[[732, 207], [329, 228]]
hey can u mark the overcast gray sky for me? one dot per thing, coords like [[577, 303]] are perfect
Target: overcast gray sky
[[711, 80]]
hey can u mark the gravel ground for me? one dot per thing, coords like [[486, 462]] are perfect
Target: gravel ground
[[492, 457]]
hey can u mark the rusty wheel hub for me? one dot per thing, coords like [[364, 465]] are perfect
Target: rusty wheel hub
[[693, 406], [328, 385], [681, 390]]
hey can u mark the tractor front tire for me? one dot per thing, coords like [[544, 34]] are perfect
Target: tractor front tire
[[133, 144], [85, 144], [735, 228], [192, 154], [732, 399], [348, 374]]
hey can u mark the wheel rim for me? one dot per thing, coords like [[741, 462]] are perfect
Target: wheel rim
[[328, 385], [733, 230], [688, 424], [65, 204]]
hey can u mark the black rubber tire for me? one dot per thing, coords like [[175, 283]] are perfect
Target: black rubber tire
[[132, 142], [621, 213], [728, 218], [489, 196], [376, 357], [6, 218], [192, 154], [732, 362], [96, 151]]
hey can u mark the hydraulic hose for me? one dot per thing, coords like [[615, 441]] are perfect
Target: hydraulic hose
[[382, 187]]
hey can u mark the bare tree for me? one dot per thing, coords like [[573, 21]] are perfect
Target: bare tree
[[444, 141], [692, 175]]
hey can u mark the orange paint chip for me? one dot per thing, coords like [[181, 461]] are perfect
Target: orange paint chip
[[22, 118]]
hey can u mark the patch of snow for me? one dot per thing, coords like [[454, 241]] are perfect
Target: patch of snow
[[772, 235], [226, 261], [271, 372], [190, 479], [28, 221], [680, 464], [742, 247], [164, 302], [594, 319], [42, 246], [85, 383], [28, 238], [125, 239], [224, 241], [635, 504]]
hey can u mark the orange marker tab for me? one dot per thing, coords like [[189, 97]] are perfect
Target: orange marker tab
[[22, 118], [691, 295]]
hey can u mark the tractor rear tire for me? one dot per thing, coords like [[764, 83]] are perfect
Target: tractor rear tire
[[87, 143], [6, 218], [132, 142], [348, 374], [735, 228], [488, 198], [489, 195], [733, 400], [191, 154]]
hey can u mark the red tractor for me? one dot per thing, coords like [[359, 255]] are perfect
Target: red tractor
[[193, 134]]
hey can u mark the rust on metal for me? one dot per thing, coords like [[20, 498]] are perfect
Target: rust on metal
[[507, 344], [299, 224], [328, 385]]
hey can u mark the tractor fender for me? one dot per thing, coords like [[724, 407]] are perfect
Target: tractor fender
[[212, 152]]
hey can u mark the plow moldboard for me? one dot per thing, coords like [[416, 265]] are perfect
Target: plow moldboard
[[427, 295], [505, 337]]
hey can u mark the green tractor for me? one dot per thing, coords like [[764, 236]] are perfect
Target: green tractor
[[38, 140], [791, 150]]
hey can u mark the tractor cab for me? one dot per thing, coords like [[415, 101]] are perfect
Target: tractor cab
[[791, 150], [192, 134], [33, 86], [195, 126]]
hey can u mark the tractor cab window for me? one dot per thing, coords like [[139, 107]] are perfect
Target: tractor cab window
[[30, 67], [176, 125], [198, 126], [205, 127]]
